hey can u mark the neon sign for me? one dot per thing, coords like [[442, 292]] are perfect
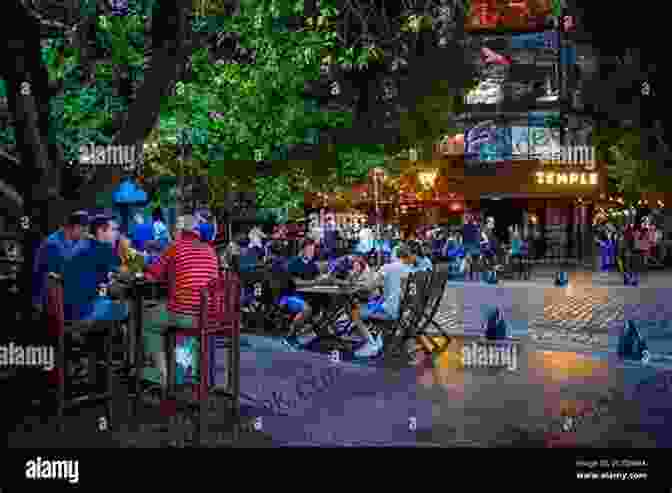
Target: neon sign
[[551, 178]]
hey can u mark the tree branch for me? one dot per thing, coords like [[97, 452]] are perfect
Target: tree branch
[[12, 202], [9, 157]]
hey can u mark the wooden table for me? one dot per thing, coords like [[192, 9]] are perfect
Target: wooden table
[[138, 289], [341, 296]]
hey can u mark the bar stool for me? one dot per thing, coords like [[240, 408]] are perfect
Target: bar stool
[[58, 326], [219, 316]]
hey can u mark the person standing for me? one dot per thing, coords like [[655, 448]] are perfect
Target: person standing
[[472, 250], [159, 228], [142, 233], [516, 249], [661, 252]]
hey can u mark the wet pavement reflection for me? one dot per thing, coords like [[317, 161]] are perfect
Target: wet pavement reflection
[[551, 398]]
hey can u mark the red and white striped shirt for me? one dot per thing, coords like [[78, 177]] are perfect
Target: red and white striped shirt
[[195, 265]]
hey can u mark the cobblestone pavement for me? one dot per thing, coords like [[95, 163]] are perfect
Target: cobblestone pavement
[[584, 314]]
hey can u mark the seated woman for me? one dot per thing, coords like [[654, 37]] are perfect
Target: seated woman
[[132, 261], [360, 272]]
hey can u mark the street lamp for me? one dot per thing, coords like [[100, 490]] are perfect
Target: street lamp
[[378, 176], [427, 178]]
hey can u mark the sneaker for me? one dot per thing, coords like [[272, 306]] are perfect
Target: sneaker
[[371, 348], [296, 343], [342, 327]]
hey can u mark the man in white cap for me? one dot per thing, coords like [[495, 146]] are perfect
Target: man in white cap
[[193, 264]]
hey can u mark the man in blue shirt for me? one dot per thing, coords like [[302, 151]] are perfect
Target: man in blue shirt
[[87, 270], [390, 276], [61, 244], [301, 268], [143, 233]]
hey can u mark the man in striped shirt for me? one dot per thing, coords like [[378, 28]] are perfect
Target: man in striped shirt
[[191, 264]]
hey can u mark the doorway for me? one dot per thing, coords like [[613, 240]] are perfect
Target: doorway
[[506, 212]]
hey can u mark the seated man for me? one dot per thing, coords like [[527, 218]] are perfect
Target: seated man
[[390, 277], [422, 262], [194, 264], [58, 246], [341, 266], [302, 268], [83, 272], [88, 268]]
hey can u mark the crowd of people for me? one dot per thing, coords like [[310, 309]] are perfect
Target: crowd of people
[[630, 247], [89, 253]]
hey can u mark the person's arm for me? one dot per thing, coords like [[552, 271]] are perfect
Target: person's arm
[[54, 259], [110, 261], [159, 269]]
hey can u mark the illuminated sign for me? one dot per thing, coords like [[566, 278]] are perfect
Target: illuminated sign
[[487, 143], [552, 178], [535, 142], [521, 15], [451, 146], [536, 41], [487, 92]]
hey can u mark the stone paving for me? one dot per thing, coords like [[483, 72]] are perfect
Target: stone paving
[[584, 314], [552, 399], [493, 408]]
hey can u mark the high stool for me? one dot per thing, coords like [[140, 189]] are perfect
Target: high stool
[[223, 295], [58, 326]]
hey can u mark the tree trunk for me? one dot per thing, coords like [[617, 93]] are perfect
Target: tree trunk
[[143, 112]]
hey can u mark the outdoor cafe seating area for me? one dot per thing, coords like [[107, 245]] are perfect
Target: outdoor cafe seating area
[[246, 301]]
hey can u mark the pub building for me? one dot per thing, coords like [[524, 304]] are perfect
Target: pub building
[[552, 200]]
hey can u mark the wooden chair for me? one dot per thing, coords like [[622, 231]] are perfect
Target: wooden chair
[[219, 316], [436, 290], [411, 304], [59, 327]]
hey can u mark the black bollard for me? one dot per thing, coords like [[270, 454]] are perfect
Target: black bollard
[[495, 325], [631, 345], [490, 277], [561, 279]]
